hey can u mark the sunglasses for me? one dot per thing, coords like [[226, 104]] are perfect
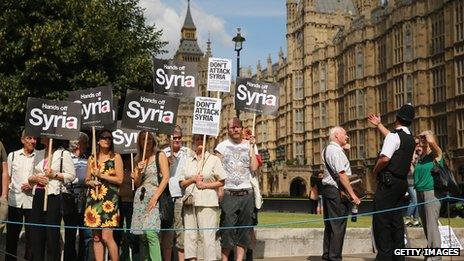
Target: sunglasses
[[177, 138], [106, 138], [142, 194]]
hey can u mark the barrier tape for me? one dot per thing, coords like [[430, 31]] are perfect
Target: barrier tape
[[234, 227]]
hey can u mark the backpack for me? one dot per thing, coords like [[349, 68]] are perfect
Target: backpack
[[444, 182]]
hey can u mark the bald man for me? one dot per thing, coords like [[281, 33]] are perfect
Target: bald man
[[335, 180]]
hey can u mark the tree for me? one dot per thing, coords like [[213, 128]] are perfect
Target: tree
[[48, 47]]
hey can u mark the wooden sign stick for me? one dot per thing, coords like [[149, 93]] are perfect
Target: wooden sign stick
[[132, 169], [203, 153], [145, 146], [49, 164], [94, 153]]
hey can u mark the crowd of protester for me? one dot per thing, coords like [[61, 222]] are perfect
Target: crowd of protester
[[92, 193]]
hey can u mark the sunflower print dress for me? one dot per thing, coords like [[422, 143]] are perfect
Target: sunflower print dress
[[143, 220], [101, 210]]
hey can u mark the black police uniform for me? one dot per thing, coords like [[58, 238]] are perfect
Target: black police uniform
[[388, 227]]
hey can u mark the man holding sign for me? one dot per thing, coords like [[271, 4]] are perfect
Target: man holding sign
[[239, 161], [52, 168]]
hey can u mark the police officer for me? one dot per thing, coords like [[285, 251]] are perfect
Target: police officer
[[391, 171]]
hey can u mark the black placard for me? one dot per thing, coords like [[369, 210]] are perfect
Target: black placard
[[256, 97], [149, 111], [54, 119], [175, 79], [125, 140], [97, 106]]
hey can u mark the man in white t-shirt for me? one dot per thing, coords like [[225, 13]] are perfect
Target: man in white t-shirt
[[239, 161]]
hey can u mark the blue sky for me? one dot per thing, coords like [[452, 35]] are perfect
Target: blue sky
[[262, 23]]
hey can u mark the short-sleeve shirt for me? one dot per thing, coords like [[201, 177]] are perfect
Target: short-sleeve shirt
[[337, 161], [20, 168], [3, 158], [423, 180], [392, 143], [236, 161], [212, 171], [174, 169]]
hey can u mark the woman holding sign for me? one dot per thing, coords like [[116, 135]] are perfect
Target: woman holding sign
[[146, 219], [50, 174], [201, 176], [104, 175]]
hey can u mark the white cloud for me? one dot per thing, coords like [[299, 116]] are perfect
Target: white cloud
[[171, 18]]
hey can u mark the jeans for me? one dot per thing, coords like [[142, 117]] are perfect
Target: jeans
[[412, 210]]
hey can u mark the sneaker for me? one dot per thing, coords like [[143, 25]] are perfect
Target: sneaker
[[408, 221]]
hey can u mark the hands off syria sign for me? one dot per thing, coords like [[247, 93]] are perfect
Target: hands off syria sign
[[219, 74], [97, 106], [175, 79], [256, 97], [206, 116], [125, 140], [54, 119], [149, 111]]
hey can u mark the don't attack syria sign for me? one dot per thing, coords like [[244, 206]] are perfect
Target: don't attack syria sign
[[53, 119], [148, 111], [175, 79], [256, 97]]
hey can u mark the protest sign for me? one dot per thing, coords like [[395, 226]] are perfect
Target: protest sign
[[219, 74], [206, 116], [54, 119], [125, 140], [448, 238], [256, 97], [149, 111], [175, 79], [97, 106]]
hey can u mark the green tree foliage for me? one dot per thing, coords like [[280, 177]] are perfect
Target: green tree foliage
[[48, 47]]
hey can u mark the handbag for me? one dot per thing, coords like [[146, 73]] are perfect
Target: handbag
[[166, 205], [257, 193], [443, 180], [188, 200]]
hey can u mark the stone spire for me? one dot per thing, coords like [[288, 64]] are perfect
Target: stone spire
[[188, 23], [208, 47], [258, 70], [281, 56], [269, 66], [188, 50]]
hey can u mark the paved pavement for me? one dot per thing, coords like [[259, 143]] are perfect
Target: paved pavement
[[353, 257]]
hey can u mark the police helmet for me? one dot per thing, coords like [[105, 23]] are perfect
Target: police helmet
[[406, 113]]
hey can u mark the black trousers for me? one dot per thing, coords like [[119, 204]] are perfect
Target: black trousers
[[126, 239], [388, 226], [334, 231], [45, 236], [13, 231], [71, 217]]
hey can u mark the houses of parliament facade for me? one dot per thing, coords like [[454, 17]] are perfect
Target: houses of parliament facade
[[344, 60]]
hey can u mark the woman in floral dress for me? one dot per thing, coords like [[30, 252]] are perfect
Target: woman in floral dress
[[146, 217], [101, 210]]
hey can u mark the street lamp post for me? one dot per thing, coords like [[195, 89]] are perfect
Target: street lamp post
[[238, 40]]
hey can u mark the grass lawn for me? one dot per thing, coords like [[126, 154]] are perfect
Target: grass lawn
[[298, 220]]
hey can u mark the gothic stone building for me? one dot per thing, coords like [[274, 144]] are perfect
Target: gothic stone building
[[346, 59]]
